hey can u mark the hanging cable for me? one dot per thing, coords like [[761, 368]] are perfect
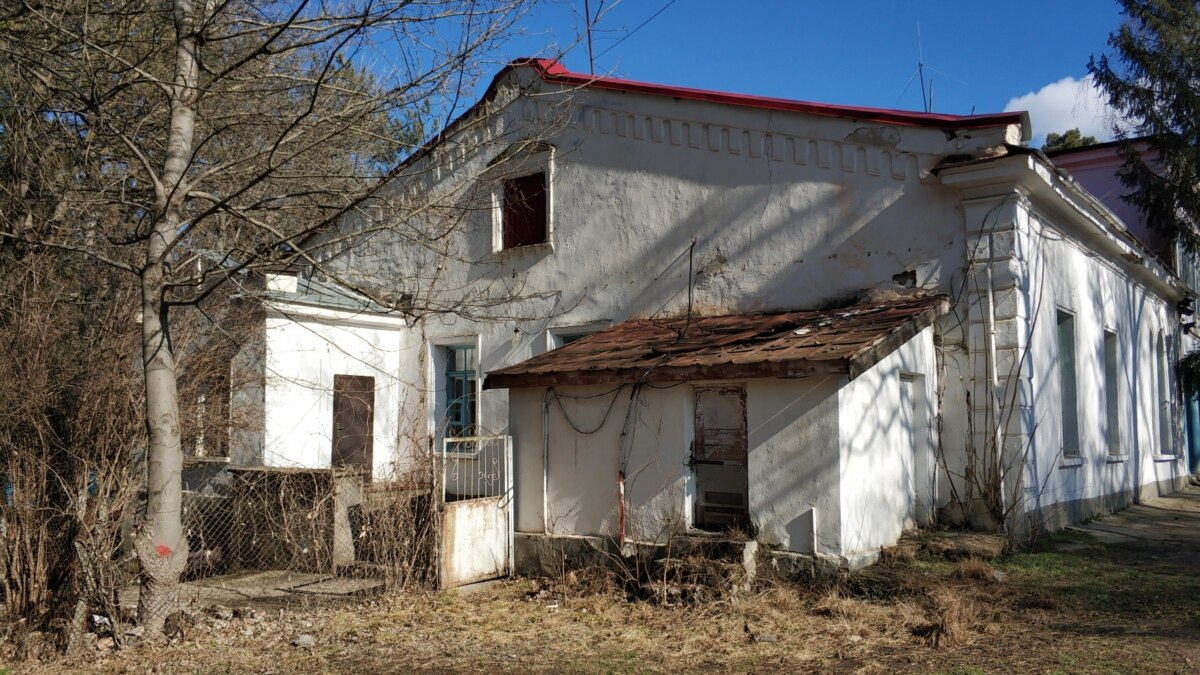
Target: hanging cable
[[635, 30], [691, 262], [604, 420]]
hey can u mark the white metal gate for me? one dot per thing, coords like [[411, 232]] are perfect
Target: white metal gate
[[477, 510]]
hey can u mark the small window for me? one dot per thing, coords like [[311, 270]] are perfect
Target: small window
[[523, 212], [565, 338], [1112, 401], [561, 336], [1068, 385]]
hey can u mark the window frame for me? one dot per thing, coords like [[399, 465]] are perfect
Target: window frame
[[1111, 355], [515, 165], [531, 191], [555, 336], [439, 383], [1162, 380], [469, 379], [1068, 373]]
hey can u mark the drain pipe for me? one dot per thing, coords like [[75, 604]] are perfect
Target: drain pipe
[[621, 506], [996, 408]]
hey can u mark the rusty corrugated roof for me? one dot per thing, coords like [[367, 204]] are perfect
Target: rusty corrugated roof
[[786, 344]]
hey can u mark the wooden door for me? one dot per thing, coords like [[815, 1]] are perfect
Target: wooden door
[[353, 421], [719, 455]]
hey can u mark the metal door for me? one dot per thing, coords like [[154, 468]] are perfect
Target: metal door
[[477, 510], [353, 421]]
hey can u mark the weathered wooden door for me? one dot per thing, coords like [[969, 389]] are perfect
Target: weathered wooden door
[[353, 421], [719, 457]]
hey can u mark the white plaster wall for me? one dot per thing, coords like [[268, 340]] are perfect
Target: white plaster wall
[[303, 353], [1062, 275], [525, 426], [792, 473], [794, 458], [786, 211], [584, 467], [774, 210], [880, 448]]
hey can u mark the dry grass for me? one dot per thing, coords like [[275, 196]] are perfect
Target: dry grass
[[954, 617], [919, 615], [974, 569]]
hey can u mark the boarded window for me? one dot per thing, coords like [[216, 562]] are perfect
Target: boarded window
[[1112, 384], [524, 219], [1067, 384]]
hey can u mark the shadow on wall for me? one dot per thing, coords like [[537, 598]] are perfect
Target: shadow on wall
[[794, 458], [768, 234], [787, 241]]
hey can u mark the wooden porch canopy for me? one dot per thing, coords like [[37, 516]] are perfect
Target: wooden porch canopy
[[847, 340]]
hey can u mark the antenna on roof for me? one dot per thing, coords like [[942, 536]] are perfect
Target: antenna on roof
[[587, 23], [921, 68]]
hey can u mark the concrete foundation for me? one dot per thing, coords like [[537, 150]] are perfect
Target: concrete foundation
[[553, 556]]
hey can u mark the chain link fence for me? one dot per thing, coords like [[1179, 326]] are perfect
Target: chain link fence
[[258, 539]]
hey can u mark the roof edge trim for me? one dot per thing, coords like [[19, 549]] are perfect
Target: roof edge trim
[[553, 71]]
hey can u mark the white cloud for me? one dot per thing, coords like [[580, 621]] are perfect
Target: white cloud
[[1066, 104]]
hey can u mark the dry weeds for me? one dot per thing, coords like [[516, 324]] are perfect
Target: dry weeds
[[925, 615], [954, 617], [974, 569]]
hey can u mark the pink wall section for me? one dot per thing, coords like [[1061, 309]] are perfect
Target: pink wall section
[[1095, 168]]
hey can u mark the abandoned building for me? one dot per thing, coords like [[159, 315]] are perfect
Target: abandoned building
[[659, 312]]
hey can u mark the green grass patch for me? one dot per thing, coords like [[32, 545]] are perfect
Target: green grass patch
[[1122, 584]]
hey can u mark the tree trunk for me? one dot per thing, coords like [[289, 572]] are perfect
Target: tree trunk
[[161, 543], [161, 546]]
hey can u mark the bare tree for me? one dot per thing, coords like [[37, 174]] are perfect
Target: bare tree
[[185, 143]]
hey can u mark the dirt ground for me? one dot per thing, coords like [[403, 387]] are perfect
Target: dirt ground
[[1117, 595]]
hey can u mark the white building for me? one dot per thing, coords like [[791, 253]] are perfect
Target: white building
[[1026, 318]]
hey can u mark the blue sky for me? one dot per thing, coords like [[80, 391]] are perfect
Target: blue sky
[[985, 55]]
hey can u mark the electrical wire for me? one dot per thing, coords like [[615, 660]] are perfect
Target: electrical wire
[[635, 30], [691, 286], [604, 420]]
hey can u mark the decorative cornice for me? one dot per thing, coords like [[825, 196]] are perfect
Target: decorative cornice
[[853, 158]]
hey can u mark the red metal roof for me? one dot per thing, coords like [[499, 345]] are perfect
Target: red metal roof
[[787, 344], [553, 71]]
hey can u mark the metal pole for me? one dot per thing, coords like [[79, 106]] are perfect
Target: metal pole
[[587, 23], [508, 490]]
